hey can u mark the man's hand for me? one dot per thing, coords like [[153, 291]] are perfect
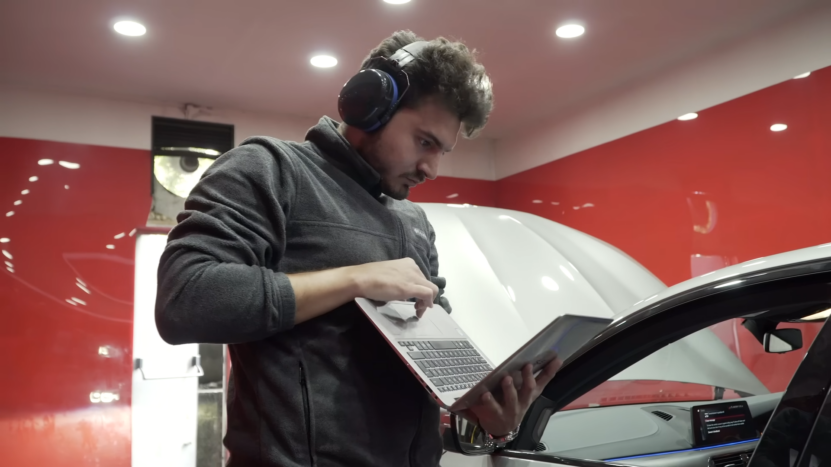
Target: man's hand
[[399, 279], [501, 417], [320, 292]]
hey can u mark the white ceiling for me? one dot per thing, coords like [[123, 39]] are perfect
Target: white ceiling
[[254, 54]]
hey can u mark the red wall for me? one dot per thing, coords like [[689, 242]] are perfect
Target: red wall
[[648, 189], [49, 349], [646, 193], [455, 191]]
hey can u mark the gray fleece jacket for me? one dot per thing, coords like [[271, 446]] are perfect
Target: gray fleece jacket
[[329, 391]]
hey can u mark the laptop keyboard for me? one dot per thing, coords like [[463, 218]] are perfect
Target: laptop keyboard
[[450, 365]]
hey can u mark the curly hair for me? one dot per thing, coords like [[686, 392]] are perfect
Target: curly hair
[[445, 70]]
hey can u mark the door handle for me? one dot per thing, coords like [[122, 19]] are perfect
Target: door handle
[[195, 362]]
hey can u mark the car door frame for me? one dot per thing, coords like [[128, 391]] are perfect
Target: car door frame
[[637, 335]]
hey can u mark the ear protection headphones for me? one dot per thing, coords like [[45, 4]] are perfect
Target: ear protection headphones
[[369, 99]]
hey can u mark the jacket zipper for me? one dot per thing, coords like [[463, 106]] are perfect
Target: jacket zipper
[[402, 253], [306, 412]]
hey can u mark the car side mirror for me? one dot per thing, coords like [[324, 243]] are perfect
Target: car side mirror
[[783, 340], [466, 438]]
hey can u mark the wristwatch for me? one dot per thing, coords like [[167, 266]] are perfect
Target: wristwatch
[[500, 442]]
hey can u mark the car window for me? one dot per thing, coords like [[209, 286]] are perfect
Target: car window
[[682, 377], [772, 371], [627, 417]]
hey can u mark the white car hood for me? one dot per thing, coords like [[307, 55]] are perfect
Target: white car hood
[[510, 273]]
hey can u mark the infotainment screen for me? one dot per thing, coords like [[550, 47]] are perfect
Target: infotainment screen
[[726, 422]]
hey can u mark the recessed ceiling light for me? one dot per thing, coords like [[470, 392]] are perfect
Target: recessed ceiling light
[[778, 127], [688, 116], [129, 28], [397, 2], [324, 61], [570, 31], [803, 75]]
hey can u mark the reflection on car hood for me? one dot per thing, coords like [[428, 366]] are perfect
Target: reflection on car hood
[[700, 358], [509, 274]]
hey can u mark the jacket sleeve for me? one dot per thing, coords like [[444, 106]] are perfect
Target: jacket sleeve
[[440, 282], [214, 280]]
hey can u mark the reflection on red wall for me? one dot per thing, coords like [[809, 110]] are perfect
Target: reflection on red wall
[[66, 292], [688, 197]]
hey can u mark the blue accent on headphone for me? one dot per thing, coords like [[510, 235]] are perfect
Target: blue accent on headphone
[[394, 101]]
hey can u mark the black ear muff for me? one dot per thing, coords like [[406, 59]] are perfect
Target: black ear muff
[[367, 99]]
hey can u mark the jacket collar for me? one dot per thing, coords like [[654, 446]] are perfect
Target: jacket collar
[[333, 147]]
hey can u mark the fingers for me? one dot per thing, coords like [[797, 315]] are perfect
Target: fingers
[[420, 308], [529, 385], [510, 399], [422, 294], [489, 403], [548, 373], [433, 290]]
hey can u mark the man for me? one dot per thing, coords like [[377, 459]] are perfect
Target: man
[[279, 238]]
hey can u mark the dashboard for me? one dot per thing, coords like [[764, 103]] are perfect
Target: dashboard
[[670, 435]]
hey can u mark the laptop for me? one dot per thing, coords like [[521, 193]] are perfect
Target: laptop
[[450, 365]]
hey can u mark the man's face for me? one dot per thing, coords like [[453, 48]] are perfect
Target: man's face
[[407, 149]]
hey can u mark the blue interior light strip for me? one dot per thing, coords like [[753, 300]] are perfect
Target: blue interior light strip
[[683, 450]]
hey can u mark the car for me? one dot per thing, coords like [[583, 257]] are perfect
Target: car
[[645, 390]]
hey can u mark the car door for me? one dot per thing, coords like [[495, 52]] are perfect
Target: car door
[[787, 290], [799, 431]]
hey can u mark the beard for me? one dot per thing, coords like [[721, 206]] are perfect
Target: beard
[[392, 184]]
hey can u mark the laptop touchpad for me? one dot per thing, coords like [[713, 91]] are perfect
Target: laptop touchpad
[[402, 322]]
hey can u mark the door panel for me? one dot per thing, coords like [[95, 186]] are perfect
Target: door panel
[[165, 379], [783, 443]]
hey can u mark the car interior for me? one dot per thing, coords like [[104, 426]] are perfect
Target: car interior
[[679, 423]]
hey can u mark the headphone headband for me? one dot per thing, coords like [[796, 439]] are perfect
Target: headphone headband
[[403, 56]]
